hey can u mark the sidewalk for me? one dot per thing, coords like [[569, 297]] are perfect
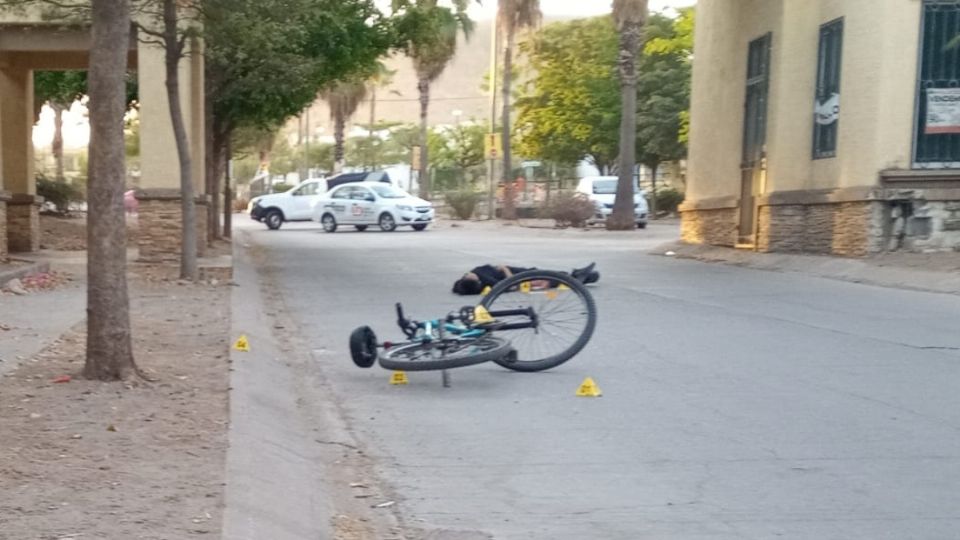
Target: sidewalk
[[933, 272]]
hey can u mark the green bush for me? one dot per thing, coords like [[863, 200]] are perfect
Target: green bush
[[59, 194], [669, 200], [462, 203], [569, 210]]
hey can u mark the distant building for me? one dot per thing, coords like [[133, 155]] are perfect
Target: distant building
[[825, 126]]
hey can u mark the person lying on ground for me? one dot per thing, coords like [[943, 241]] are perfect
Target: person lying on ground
[[488, 275]]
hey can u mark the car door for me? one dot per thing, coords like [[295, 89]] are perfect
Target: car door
[[362, 206], [303, 196], [338, 203]]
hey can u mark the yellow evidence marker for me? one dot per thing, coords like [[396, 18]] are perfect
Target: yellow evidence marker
[[242, 344], [399, 377], [562, 287], [486, 291], [526, 287], [589, 388], [481, 315], [552, 294]]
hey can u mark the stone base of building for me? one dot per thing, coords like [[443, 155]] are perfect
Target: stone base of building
[[203, 212], [852, 222], [161, 225], [23, 223], [4, 197], [712, 221]]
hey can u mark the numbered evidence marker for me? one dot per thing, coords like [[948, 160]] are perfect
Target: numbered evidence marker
[[589, 388], [486, 291], [399, 377], [552, 294], [481, 315], [242, 344], [526, 287]]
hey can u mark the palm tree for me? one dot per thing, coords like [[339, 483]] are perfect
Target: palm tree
[[512, 15], [344, 97], [629, 16], [432, 43], [381, 78]]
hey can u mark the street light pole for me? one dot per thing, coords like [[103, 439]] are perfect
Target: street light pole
[[492, 163]]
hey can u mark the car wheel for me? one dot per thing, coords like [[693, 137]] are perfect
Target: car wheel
[[329, 223], [387, 223], [360, 228], [273, 219], [419, 227], [642, 225]]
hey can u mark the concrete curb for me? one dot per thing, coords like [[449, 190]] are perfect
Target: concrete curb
[[23, 270], [841, 269]]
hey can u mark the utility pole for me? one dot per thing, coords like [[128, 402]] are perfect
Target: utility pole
[[492, 163]]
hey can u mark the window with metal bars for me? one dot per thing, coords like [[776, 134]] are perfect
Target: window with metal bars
[[827, 101], [938, 90]]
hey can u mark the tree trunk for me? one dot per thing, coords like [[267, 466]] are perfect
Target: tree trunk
[[227, 186], [622, 217], [373, 120], [509, 202], [57, 145], [174, 48], [339, 127], [653, 190], [109, 343], [424, 86]]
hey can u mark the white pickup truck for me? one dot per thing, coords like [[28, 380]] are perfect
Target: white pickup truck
[[296, 204]]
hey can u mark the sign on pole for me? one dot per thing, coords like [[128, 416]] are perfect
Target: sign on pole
[[416, 158], [493, 146]]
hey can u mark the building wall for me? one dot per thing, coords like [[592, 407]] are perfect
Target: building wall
[[815, 199]]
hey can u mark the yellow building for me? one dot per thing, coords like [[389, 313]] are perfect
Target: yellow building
[[825, 126]]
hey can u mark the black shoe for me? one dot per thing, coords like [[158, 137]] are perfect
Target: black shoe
[[592, 277], [583, 273]]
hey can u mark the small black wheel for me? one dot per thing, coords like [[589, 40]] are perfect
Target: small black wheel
[[360, 228], [329, 223], [273, 219], [642, 225], [419, 226], [565, 312], [444, 354], [387, 223], [363, 347]]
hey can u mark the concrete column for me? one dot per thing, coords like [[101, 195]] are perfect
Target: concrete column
[[16, 145], [159, 196], [4, 197]]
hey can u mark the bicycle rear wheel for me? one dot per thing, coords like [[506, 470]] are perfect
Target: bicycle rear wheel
[[565, 312], [444, 354]]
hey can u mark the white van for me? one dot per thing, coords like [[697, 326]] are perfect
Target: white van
[[602, 190]]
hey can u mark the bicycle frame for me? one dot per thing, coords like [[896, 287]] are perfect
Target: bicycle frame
[[420, 331]]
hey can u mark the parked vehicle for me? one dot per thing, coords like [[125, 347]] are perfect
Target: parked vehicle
[[362, 204], [602, 191], [296, 204]]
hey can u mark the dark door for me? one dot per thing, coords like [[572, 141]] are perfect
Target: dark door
[[753, 161], [937, 135]]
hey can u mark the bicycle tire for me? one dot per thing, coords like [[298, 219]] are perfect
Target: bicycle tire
[[465, 354], [527, 360]]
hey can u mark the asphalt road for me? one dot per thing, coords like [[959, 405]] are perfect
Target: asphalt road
[[736, 403]]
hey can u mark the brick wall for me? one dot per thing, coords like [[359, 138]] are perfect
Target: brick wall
[[3, 229], [160, 228], [203, 209], [717, 227], [852, 229], [23, 226]]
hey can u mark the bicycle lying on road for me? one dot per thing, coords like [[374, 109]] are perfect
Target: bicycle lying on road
[[531, 321]]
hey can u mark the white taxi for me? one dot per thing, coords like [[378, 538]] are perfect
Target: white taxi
[[362, 204]]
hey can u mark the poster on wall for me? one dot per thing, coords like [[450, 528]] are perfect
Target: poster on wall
[[943, 111], [827, 111]]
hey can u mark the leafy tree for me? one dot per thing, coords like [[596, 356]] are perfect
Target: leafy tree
[[461, 146], [344, 97], [512, 16], [430, 33], [58, 89], [570, 106]]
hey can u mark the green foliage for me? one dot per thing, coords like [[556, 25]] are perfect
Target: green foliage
[[59, 88], [267, 59], [459, 147], [669, 200], [462, 203], [570, 108], [569, 210], [60, 194], [428, 32]]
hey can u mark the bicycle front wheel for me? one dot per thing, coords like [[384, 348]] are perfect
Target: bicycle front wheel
[[444, 354], [564, 317]]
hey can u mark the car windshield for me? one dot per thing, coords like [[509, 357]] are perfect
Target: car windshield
[[607, 187], [387, 191]]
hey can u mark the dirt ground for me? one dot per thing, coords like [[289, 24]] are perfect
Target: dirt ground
[[69, 233], [137, 460]]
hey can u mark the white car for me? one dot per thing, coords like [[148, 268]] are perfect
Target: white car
[[362, 204], [295, 204], [602, 191]]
